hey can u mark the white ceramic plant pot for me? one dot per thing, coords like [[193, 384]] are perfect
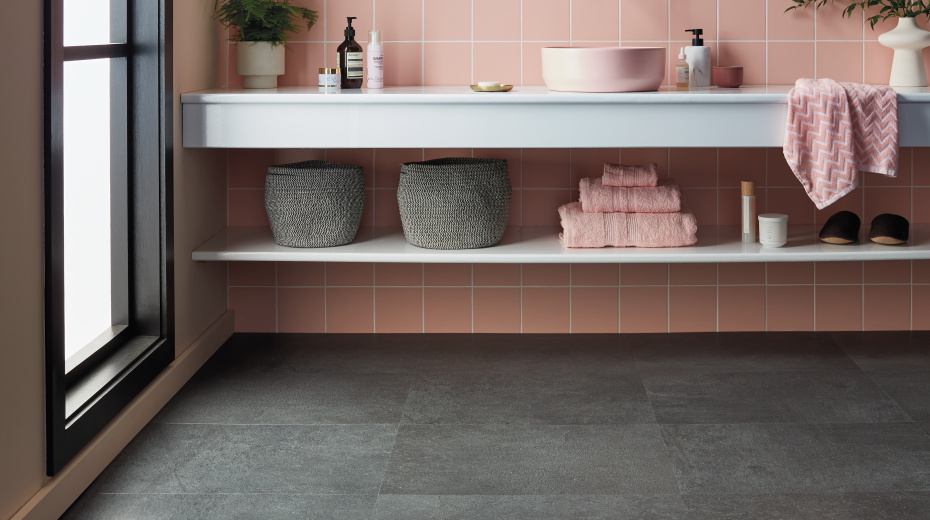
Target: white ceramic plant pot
[[908, 42], [259, 64]]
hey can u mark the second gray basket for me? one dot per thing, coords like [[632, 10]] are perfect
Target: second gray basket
[[314, 203], [454, 203]]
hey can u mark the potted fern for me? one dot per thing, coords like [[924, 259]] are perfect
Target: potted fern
[[263, 26], [907, 39]]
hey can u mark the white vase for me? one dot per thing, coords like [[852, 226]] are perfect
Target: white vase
[[908, 42], [259, 64]]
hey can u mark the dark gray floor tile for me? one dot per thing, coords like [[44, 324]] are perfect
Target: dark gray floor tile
[[531, 507], [529, 460], [182, 458], [840, 396], [909, 388], [529, 397], [845, 506], [926, 427], [221, 507], [799, 458], [890, 349], [740, 352], [286, 396]]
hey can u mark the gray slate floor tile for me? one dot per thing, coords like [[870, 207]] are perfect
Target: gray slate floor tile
[[529, 460], [909, 388], [846, 506], [530, 507], [926, 427], [891, 349], [840, 396], [799, 458], [182, 458], [527, 397]]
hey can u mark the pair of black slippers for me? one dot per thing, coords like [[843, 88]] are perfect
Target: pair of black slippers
[[843, 228]]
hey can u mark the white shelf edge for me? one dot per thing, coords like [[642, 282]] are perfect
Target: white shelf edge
[[541, 245]]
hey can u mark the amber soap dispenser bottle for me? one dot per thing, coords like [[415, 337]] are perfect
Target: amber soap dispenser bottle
[[351, 58]]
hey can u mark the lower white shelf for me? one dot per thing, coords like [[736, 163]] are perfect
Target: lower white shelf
[[541, 245]]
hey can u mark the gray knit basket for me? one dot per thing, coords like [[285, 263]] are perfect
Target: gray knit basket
[[454, 203], [314, 203]]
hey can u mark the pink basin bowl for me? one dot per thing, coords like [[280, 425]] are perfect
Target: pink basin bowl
[[603, 69]]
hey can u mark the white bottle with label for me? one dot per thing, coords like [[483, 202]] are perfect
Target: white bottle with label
[[375, 60], [682, 72], [698, 57]]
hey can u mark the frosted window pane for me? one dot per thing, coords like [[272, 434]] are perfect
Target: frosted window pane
[[87, 22]]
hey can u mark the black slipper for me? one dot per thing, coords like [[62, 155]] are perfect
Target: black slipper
[[841, 228], [889, 229]]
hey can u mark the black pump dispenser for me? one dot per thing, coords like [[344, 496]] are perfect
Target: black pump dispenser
[[697, 41], [351, 58], [350, 31]]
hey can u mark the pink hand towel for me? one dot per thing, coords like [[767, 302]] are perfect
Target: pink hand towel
[[630, 176], [597, 198], [835, 130], [580, 229]]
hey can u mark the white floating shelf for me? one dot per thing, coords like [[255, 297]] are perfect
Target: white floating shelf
[[527, 117], [541, 245]]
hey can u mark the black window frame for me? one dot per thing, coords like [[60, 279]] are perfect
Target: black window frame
[[85, 392]]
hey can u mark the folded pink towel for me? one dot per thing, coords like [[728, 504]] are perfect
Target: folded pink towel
[[835, 130], [580, 229], [597, 198], [630, 176]]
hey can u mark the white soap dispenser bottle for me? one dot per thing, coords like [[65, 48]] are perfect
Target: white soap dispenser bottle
[[698, 57]]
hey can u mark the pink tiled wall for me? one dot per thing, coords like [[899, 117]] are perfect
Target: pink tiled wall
[[455, 42]]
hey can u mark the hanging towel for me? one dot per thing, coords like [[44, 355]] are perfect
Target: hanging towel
[[580, 229], [835, 130], [597, 198], [629, 176]]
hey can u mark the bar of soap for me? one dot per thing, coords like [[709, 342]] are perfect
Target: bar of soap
[[489, 84]]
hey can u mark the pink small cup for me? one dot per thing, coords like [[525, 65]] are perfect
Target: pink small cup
[[728, 77]]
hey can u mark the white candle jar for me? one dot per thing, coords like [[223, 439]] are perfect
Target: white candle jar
[[773, 229]]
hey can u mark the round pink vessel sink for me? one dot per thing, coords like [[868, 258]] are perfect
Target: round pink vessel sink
[[603, 69]]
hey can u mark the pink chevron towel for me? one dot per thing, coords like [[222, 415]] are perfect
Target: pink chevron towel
[[835, 130]]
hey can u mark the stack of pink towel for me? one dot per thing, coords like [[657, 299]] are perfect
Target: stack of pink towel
[[628, 207]]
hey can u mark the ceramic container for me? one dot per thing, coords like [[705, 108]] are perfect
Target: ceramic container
[[603, 69], [728, 77], [773, 229], [908, 41], [259, 64]]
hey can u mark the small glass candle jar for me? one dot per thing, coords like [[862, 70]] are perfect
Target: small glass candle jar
[[330, 79], [773, 229]]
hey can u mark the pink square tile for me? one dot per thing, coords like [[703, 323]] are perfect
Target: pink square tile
[[546, 20], [399, 20], [850, 202], [790, 307], [793, 25], [541, 207], [335, 18], [390, 274], [595, 20], [839, 307], [922, 208], [368, 214], [692, 274], [234, 79], [741, 164], [532, 61], [547, 168], [595, 310], [330, 52], [793, 202], [921, 166], [497, 20], [301, 274], [350, 274], [660, 156], [779, 174], [445, 275], [301, 310], [546, 275], [741, 308], [364, 157], [497, 310], [692, 14], [254, 308], [692, 309], [703, 203], [513, 156], [841, 61], [387, 212], [742, 19], [252, 274], [497, 275], [887, 307], [515, 217], [644, 20], [398, 310], [388, 162], [741, 274], [886, 200], [292, 155], [832, 25], [546, 310], [247, 208], [302, 62], [643, 309], [350, 310], [595, 274], [447, 20], [888, 271], [644, 274], [247, 167], [789, 273], [921, 310], [447, 310], [921, 271], [447, 63], [589, 162], [789, 61], [693, 167], [315, 34], [403, 64], [730, 205], [838, 272], [877, 63], [749, 55], [441, 153], [902, 179]]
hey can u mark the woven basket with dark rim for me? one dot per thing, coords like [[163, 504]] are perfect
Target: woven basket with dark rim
[[314, 203], [454, 203]]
